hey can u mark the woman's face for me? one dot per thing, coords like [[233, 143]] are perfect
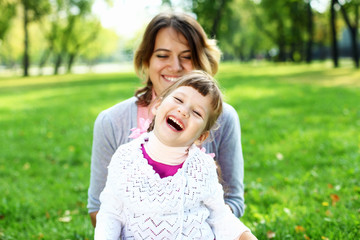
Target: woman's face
[[170, 60]]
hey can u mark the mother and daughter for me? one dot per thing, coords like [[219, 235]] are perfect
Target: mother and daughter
[[161, 185]]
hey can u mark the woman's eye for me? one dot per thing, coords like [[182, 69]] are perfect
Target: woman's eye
[[162, 56], [187, 57]]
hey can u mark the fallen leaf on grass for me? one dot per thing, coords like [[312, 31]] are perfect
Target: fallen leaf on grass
[[26, 166], [325, 204], [299, 229], [306, 237], [65, 219], [41, 236], [334, 199], [279, 156], [287, 211], [324, 238], [357, 189], [328, 213], [270, 234], [330, 186]]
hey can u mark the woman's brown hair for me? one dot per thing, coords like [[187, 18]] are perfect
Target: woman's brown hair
[[205, 54]]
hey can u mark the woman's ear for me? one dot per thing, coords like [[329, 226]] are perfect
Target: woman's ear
[[155, 105], [202, 138]]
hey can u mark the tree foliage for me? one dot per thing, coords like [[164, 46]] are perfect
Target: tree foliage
[[8, 10]]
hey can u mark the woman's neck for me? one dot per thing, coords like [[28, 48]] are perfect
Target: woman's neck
[[162, 153]]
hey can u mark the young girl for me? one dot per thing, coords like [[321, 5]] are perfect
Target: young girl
[[161, 185]]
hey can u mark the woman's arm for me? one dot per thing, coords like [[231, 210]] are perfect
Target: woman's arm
[[247, 236], [230, 159], [104, 146]]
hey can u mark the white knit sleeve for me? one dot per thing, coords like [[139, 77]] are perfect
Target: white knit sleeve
[[109, 219], [225, 225]]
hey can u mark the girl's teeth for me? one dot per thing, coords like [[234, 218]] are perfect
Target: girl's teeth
[[174, 120]]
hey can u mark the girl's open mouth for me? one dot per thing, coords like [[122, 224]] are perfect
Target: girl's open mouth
[[175, 124]]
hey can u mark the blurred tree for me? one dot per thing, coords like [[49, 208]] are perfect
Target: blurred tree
[[321, 35], [11, 49], [310, 31], [334, 44], [283, 23], [32, 11], [8, 11], [211, 13], [86, 30], [72, 26], [345, 7], [103, 46]]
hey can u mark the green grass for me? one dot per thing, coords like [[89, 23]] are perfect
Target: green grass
[[300, 137]]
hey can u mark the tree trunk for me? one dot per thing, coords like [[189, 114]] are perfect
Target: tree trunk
[[43, 59], [335, 53], [70, 62], [57, 63], [219, 12], [281, 42], [310, 28], [26, 60], [353, 33]]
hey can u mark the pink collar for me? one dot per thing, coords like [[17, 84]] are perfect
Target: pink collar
[[162, 153]]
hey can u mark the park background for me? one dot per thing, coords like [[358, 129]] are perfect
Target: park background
[[289, 68]]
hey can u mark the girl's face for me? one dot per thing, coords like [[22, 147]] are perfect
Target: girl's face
[[181, 117], [170, 60]]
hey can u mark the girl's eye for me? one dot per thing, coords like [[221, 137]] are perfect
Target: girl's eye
[[161, 56], [187, 57], [197, 113], [178, 99]]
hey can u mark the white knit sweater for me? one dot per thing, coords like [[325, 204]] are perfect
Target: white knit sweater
[[137, 204]]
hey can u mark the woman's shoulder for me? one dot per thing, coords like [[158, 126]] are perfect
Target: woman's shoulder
[[125, 107], [229, 112], [117, 120]]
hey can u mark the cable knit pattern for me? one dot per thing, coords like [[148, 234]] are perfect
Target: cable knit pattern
[[138, 204]]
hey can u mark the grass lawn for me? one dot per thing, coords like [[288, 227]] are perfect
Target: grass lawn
[[300, 138]]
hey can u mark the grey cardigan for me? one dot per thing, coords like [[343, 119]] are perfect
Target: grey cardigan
[[112, 128]]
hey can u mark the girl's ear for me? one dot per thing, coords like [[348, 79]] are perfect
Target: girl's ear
[[202, 138], [155, 106]]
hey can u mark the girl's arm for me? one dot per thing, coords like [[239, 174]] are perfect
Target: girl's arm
[[109, 220], [224, 224]]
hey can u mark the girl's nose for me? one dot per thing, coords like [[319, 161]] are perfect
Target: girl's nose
[[183, 112]]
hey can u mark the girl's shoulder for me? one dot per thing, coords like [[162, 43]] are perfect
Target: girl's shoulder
[[201, 157], [127, 150]]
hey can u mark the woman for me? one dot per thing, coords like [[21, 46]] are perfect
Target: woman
[[172, 45]]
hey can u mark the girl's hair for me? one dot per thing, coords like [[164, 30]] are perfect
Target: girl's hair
[[205, 54], [205, 84]]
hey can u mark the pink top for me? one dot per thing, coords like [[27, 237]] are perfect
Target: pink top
[[162, 169]]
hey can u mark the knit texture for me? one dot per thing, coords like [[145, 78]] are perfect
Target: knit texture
[[138, 204]]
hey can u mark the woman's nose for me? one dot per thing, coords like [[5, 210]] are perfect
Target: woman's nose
[[175, 64]]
